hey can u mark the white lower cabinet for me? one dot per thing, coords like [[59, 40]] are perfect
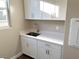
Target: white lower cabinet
[[49, 51], [40, 49], [29, 46], [55, 52], [24, 45], [43, 50]]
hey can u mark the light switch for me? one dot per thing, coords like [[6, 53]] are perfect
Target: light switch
[[74, 33]]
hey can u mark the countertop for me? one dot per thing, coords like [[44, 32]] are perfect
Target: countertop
[[51, 37]]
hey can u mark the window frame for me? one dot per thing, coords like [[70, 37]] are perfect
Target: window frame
[[8, 16]]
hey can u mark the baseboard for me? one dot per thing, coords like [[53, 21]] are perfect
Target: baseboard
[[16, 56]]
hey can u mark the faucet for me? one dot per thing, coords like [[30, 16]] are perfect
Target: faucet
[[36, 26]]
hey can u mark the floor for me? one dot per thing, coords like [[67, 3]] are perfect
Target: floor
[[24, 57]]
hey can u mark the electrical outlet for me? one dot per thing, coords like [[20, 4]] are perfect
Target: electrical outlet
[[57, 27]]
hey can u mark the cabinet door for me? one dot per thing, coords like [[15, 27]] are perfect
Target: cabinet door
[[62, 6], [56, 52], [49, 11], [35, 9], [42, 50], [32, 47], [29, 46], [54, 9], [27, 9], [32, 9], [24, 44]]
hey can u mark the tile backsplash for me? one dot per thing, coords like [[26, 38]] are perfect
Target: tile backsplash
[[55, 26]]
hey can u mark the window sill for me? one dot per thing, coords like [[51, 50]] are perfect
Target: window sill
[[2, 58], [5, 27]]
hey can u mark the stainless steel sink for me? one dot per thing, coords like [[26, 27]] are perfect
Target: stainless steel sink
[[33, 34]]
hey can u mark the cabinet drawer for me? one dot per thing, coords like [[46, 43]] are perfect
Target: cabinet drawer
[[44, 43]]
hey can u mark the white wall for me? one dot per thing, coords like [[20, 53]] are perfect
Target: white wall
[[9, 39], [49, 25], [72, 11]]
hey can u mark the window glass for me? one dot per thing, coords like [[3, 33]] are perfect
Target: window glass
[[4, 17]]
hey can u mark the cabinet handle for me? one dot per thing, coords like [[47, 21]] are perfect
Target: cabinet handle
[[46, 52]]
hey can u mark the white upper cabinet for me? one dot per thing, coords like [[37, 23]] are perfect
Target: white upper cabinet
[[32, 9], [48, 10], [54, 9], [62, 8], [45, 9], [35, 9]]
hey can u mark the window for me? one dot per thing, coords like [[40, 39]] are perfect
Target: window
[[4, 14]]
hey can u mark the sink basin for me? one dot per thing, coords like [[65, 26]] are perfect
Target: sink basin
[[33, 34]]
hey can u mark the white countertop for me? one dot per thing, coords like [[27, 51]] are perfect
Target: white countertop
[[51, 37]]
